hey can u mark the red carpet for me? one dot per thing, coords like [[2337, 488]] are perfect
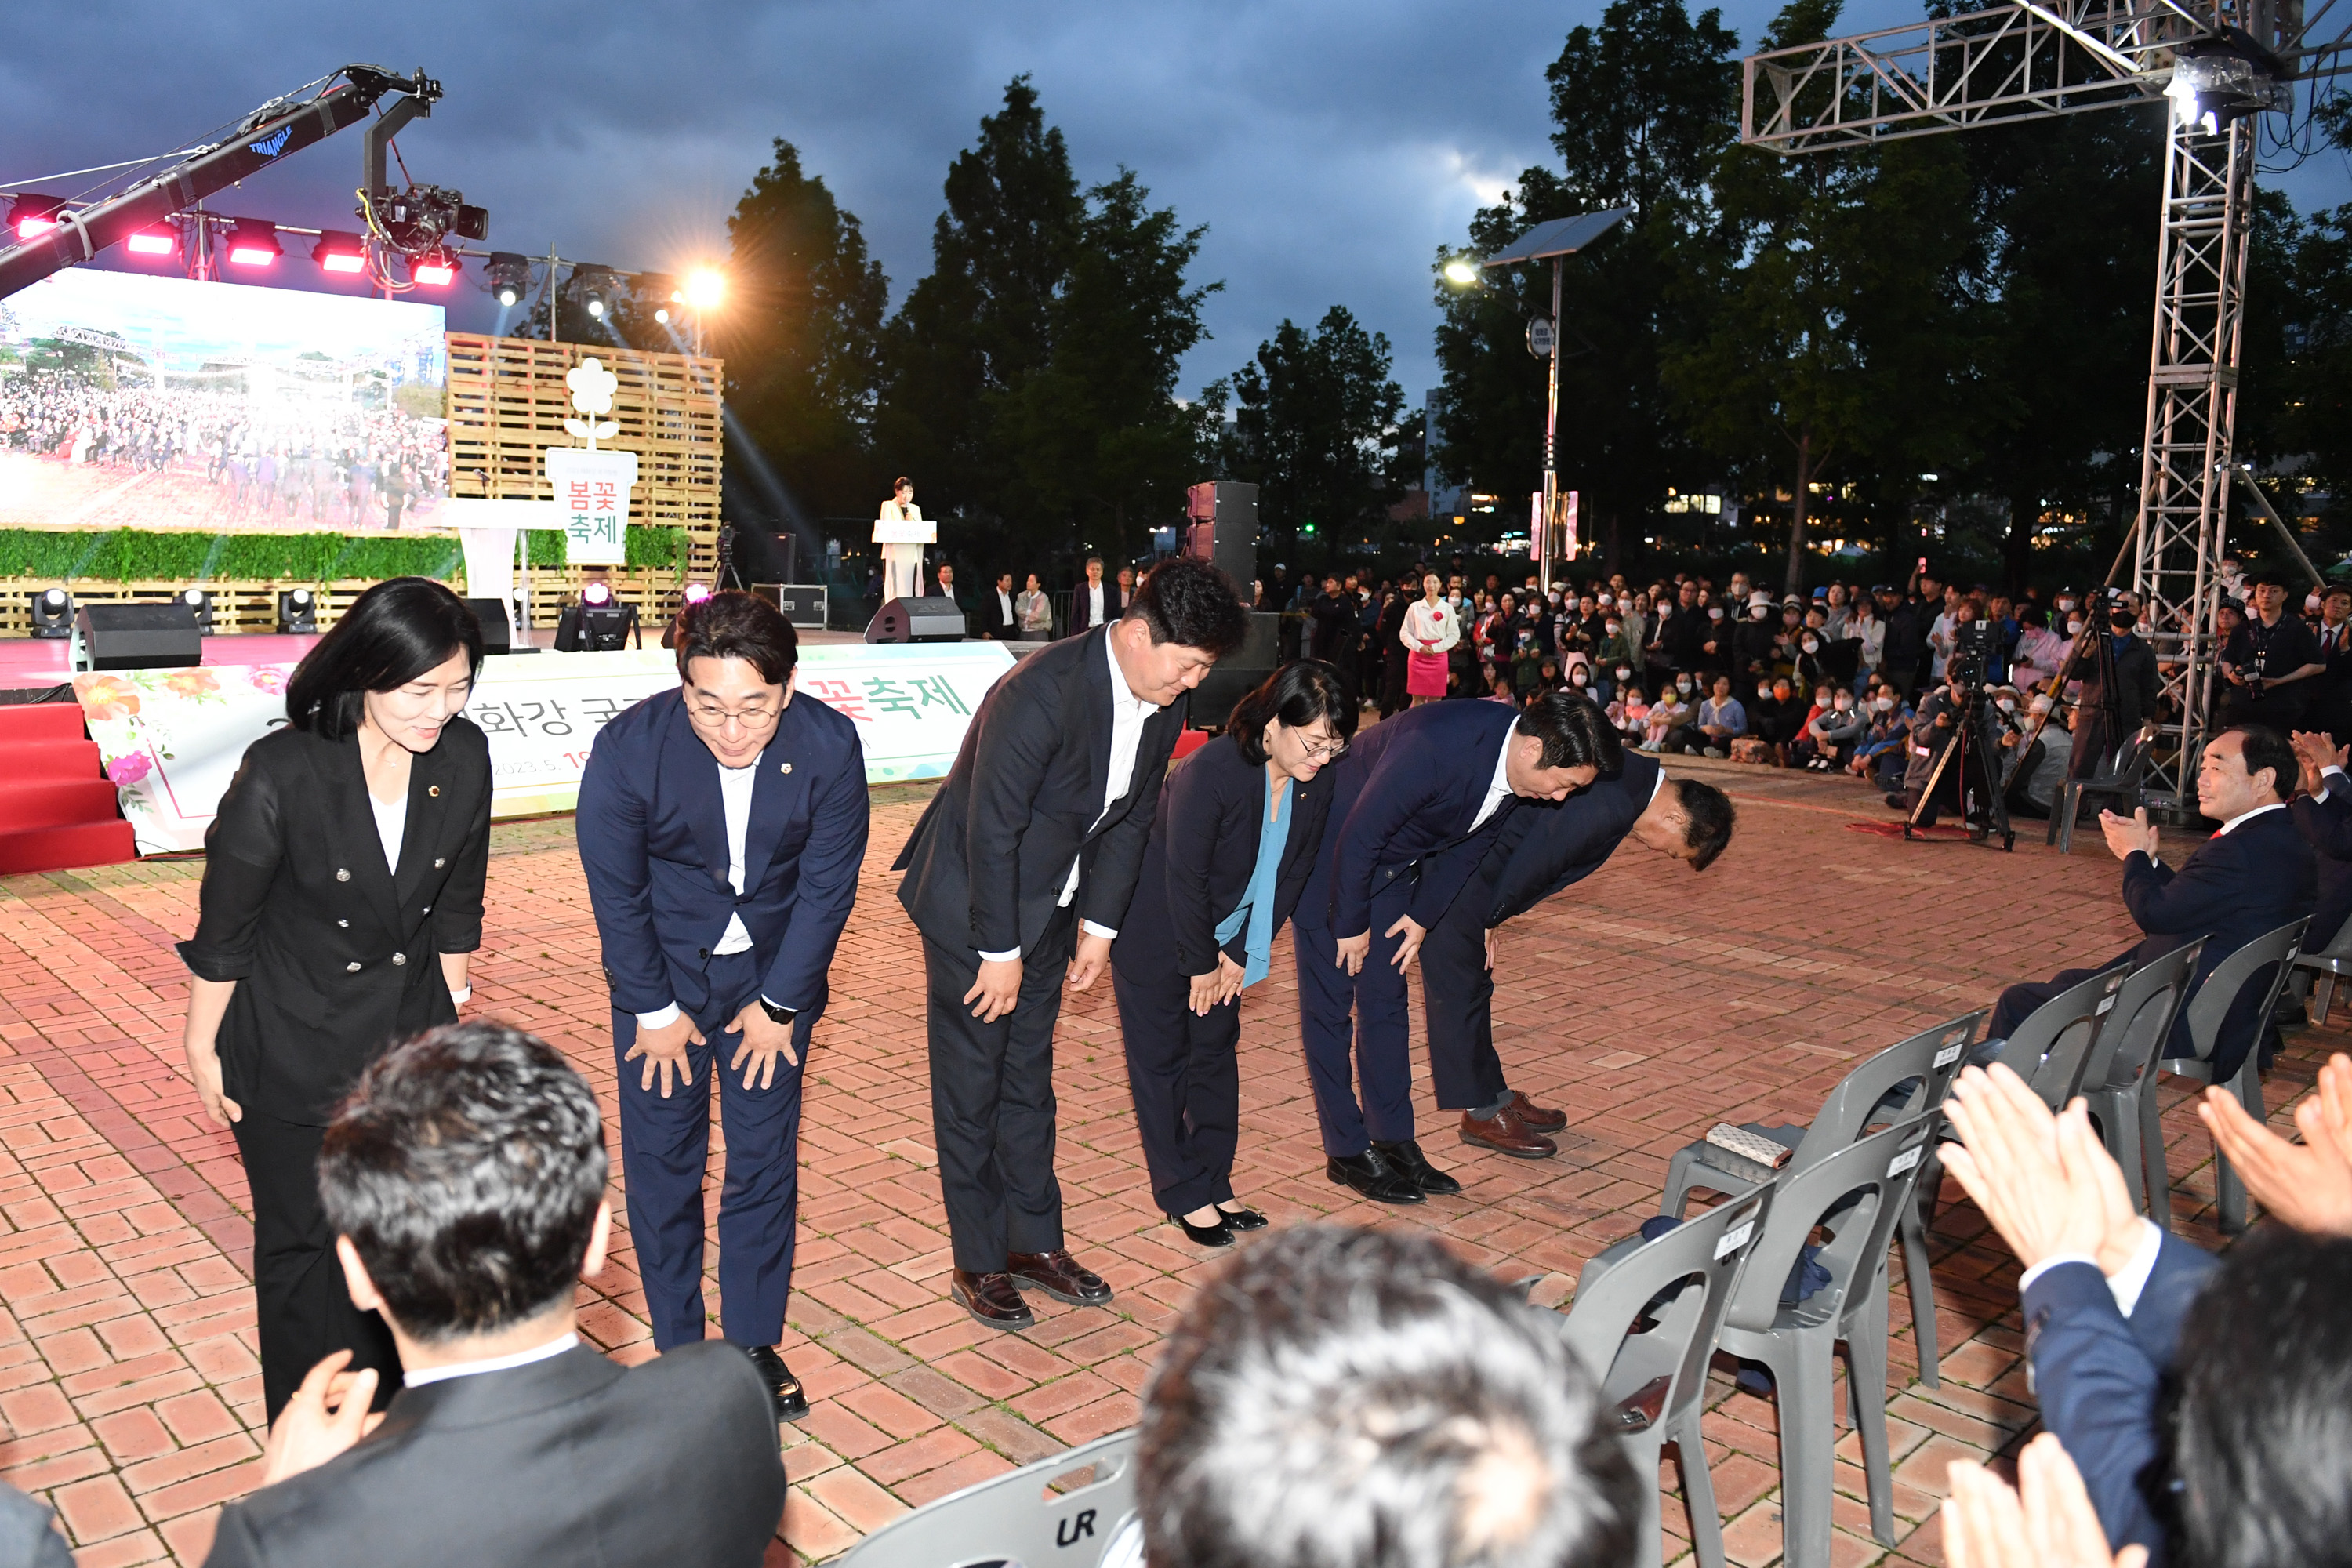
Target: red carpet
[[57, 809]]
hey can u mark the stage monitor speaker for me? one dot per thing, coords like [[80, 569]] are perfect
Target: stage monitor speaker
[[497, 629], [932, 619], [1222, 529], [804, 604], [137, 636], [1237, 672]]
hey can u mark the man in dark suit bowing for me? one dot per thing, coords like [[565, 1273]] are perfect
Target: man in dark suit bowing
[[721, 826], [2254, 875], [1409, 795], [1538, 852], [1040, 827]]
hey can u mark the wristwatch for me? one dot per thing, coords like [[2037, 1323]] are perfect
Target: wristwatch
[[784, 1015]]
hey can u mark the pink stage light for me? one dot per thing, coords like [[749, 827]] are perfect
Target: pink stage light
[[33, 216], [340, 252], [595, 593], [697, 592], [434, 269], [159, 240], [253, 243]]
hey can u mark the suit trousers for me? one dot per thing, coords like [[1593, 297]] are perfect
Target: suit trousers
[[992, 1101], [1458, 1000], [1187, 1082], [665, 1150], [2017, 1002], [1380, 1058], [303, 1308]]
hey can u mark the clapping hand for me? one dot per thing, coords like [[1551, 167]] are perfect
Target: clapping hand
[[2316, 753], [2047, 1522], [2307, 1184], [2045, 1182], [2126, 834]]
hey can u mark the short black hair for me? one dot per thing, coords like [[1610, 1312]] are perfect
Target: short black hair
[[1708, 819], [2266, 748], [397, 631], [467, 1168], [1298, 693], [736, 624], [2264, 1416], [1191, 604], [1345, 1398], [1574, 730]]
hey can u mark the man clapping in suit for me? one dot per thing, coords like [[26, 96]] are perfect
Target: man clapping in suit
[[1040, 827], [721, 826], [464, 1183]]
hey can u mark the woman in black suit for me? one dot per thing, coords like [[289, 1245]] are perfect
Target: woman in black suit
[[1231, 848], [343, 894]]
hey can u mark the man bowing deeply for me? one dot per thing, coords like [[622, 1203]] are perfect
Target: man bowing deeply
[[1039, 829], [721, 826]]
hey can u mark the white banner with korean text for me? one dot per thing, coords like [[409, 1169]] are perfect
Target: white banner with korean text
[[171, 738]]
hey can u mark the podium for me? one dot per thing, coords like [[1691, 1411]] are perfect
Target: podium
[[902, 542]]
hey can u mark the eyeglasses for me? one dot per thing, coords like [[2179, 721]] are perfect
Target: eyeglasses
[[1322, 752], [710, 716]]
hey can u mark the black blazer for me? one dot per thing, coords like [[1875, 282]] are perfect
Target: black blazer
[[527, 1466], [994, 620], [985, 865], [2327, 826], [1211, 808], [1082, 609], [1539, 850], [338, 954]]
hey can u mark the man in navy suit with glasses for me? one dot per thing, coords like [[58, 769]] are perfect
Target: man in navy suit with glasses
[[721, 826]]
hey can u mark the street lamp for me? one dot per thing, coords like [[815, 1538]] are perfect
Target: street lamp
[[1554, 242]]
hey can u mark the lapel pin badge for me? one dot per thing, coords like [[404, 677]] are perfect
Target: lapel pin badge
[[433, 789], [787, 767]]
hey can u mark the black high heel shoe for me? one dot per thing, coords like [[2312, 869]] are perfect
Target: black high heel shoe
[[1240, 1219], [1203, 1235]]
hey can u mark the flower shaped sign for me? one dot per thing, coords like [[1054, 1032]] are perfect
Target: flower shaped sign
[[592, 394]]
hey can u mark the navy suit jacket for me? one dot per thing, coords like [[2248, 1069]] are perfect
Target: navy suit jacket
[[2327, 826], [652, 840], [1405, 792], [1201, 854], [2098, 1375], [1547, 847], [2237, 886]]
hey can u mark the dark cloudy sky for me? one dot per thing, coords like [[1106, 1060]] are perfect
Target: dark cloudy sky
[[1330, 145]]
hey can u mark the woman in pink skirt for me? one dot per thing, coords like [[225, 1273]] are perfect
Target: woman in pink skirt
[[1431, 628]]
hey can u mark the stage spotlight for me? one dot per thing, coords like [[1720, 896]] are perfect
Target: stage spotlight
[[254, 243], [340, 252], [593, 286], [662, 315], [297, 612], [705, 286], [434, 269], [156, 239], [53, 613], [594, 595], [200, 604], [697, 592], [32, 216], [508, 276]]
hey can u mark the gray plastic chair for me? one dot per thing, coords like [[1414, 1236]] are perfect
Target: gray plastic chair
[[1016, 1521], [1857, 1194], [2119, 1076], [2317, 973], [1655, 1379], [2117, 779], [1927, 1061], [2263, 963], [2051, 1047]]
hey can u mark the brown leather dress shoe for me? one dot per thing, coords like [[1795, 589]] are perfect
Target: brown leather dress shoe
[[991, 1299], [1506, 1133], [1058, 1274], [1535, 1116]]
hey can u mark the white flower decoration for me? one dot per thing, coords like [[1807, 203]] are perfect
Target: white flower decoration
[[592, 386]]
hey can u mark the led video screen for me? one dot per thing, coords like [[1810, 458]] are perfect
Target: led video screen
[[129, 401]]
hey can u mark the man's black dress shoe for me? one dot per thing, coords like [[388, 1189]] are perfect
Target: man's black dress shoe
[[1201, 1234], [1241, 1219], [991, 1299], [1058, 1274], [1407, 1157], [1373, 1177], [784, 1390]]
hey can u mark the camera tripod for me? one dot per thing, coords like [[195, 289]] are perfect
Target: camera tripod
[[1968, 752]]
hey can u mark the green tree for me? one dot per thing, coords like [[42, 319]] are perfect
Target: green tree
[[1316, 425]]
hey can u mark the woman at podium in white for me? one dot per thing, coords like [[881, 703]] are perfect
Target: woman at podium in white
[[900, 530]]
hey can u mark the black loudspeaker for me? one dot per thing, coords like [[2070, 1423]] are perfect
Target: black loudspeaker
[[1221, 528], [932, 619], [1237, 672], [497, 629], [137, 636]]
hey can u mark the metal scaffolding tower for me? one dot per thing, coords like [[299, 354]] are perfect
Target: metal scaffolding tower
[[2222, 64]]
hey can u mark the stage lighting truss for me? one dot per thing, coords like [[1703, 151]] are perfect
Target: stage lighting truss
[[31, 216], [253, 242], [508, 277], [53, 613]]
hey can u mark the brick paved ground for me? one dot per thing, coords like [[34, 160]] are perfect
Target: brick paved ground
[[1649, 1003]]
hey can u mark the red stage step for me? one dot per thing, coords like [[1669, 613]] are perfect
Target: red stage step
[[57, 809]]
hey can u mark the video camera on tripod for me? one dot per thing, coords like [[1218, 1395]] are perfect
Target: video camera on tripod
[[1973, 647]]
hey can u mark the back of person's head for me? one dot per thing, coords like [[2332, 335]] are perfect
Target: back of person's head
[[1344, 1398], [1574, 730], [398, 631], [736, 624], [1297, 694], [2264, 1419], [2264, 747], [466, 1169], [1193, 604], [1708, 819]]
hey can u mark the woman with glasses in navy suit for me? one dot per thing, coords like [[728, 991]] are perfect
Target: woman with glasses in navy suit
[[1235, 837]]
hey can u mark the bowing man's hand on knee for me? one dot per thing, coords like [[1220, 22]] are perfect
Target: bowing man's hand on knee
[[664, 1048], [1350, 953], [1410, 948], [764, 1040], [997, 989]]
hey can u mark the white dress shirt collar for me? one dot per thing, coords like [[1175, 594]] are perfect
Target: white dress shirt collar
[[1498, 788], [547, 1351], [2232, 824]]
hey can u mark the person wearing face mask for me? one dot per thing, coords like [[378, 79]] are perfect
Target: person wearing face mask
[[1832, 734], [341, 901], [2035, 782], [1615, 657], [1679, 645], [2104, 719], [1881, 754]]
